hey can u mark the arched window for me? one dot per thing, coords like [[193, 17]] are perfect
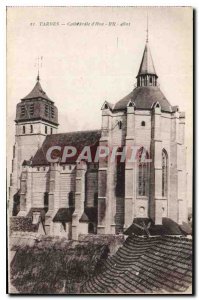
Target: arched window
[[142, 173], [71, 200], [31, 129], [51, 130], [120, 124], [120, 178], [46, 129], [91, 228], [24, 129], [141, 210], [95, 199], [145, 80], [46, 201], [143, 123], [164, 173], [16, 204]]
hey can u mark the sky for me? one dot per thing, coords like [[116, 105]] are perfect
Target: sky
[[83, 66]]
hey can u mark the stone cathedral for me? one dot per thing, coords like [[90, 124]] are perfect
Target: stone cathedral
[[78, 197]]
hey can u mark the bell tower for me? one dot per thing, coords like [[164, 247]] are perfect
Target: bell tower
[[147, 75], [36, 117]]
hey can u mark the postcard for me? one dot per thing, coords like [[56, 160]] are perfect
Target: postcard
[[99, 150]]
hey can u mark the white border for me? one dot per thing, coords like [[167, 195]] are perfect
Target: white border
[[3, 4]]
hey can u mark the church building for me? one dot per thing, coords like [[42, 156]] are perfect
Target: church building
[[78, 197]]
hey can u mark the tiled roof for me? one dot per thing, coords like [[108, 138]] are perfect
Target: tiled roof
[[144, 98], [77, 139], [37, 92], [147, 66], [145, 265]]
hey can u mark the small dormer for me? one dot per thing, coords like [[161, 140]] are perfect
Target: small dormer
[[107, 105], [131, 104], [156, 106]]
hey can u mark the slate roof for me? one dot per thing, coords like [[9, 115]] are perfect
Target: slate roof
[[145, 265], [186, 228], [145, 226], [37, 92], [64, 215], [147, 66], [77, 139], [144, 98], [38, 112]]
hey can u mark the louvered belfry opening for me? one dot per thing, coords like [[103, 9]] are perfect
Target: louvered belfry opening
[[146, 80]]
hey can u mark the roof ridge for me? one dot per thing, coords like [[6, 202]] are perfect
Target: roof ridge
[[77, 131], [78, 139]]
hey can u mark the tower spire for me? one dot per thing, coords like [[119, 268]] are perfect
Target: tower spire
[[147, 75], [147, 30], [38, 64], [38, 78]]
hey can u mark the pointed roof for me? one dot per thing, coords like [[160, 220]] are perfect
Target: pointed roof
[[147, 66], [37, 92]]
